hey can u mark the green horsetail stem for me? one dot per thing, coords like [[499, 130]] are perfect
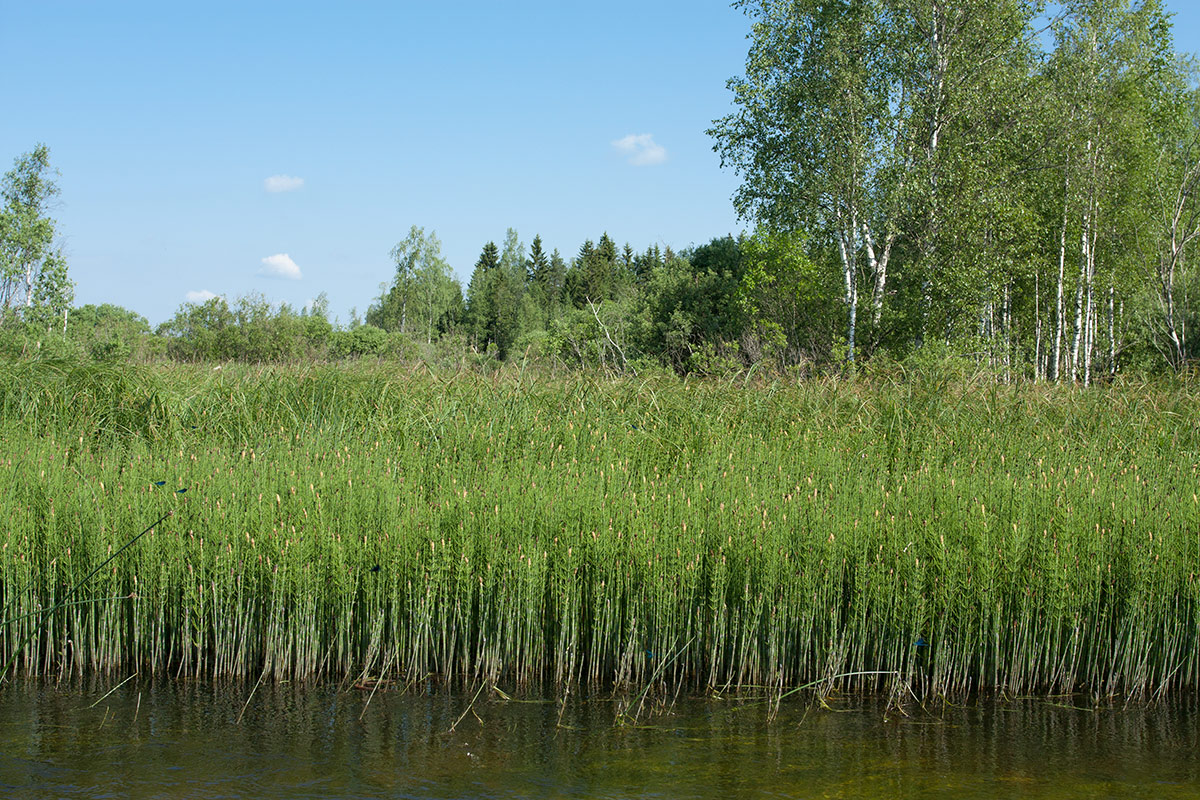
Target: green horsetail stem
[[66, 600], [578, 532]]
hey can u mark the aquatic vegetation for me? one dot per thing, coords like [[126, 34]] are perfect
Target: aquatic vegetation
[[583, 532]]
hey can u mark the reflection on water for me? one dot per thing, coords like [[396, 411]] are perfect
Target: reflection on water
[[185, 740]]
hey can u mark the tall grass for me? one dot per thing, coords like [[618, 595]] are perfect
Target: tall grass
[[587, 532]]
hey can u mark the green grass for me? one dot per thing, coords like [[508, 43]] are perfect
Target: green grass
[[604, 533]]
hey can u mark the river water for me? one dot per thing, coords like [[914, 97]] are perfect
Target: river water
[[200, 740]]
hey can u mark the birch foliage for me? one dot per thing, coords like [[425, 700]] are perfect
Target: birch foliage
[[816, 136], [978, 172], [34, 286], [423, 290], [875, 125]]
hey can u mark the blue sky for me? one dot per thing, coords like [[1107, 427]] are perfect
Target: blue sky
[[168, 121]]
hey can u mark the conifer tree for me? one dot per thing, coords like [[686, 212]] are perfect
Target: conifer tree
[[480, 308], [538, 262]]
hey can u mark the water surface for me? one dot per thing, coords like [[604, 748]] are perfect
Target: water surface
[[199, 740]]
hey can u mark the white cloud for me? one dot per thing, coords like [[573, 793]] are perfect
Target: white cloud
[[280, 265], [202, 296], [641, 150], [283, 183]]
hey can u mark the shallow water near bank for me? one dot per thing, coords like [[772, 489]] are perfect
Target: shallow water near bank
[[168, 740]]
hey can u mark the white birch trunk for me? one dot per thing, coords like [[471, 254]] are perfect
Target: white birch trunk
[[1184, 227], [1060, 313], [1089, 337], [1006, 323], [1112, 333], [846, 247], [1090, 351], [939, 63], [1168, 296], [879, 268], [1079, 298], [1037, 329]]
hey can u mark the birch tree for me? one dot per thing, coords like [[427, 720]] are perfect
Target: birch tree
[[969, 79], [34, 285], [1175, 233], [816, 136], [879, 122], [1111, 64], [423, 288]]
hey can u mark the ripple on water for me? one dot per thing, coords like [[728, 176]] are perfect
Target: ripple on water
[[166, 740]]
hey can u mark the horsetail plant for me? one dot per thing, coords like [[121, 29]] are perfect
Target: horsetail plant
[[606, 534], [67, 599]]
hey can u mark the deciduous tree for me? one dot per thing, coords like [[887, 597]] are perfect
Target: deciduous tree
[[34, 285]]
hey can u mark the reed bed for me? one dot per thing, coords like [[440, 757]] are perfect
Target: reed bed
[[586, 533]]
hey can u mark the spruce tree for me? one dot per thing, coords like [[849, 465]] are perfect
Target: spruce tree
[[538, 263], [554, 285], [607, 249], [481, 310]]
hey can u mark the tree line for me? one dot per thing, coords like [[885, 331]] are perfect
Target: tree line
[[920, 178], [980, 174]]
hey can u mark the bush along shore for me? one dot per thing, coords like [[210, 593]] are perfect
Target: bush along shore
[[557, 534]]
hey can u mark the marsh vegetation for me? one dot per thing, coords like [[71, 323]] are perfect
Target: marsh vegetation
[[941, 536]]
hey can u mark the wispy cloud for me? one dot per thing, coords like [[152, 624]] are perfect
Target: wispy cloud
[[641, 150], [283, 183], [202, 296], [280, 265]]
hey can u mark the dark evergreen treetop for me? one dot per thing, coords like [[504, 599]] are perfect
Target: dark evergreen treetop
[[538, 263], [489, 258]]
